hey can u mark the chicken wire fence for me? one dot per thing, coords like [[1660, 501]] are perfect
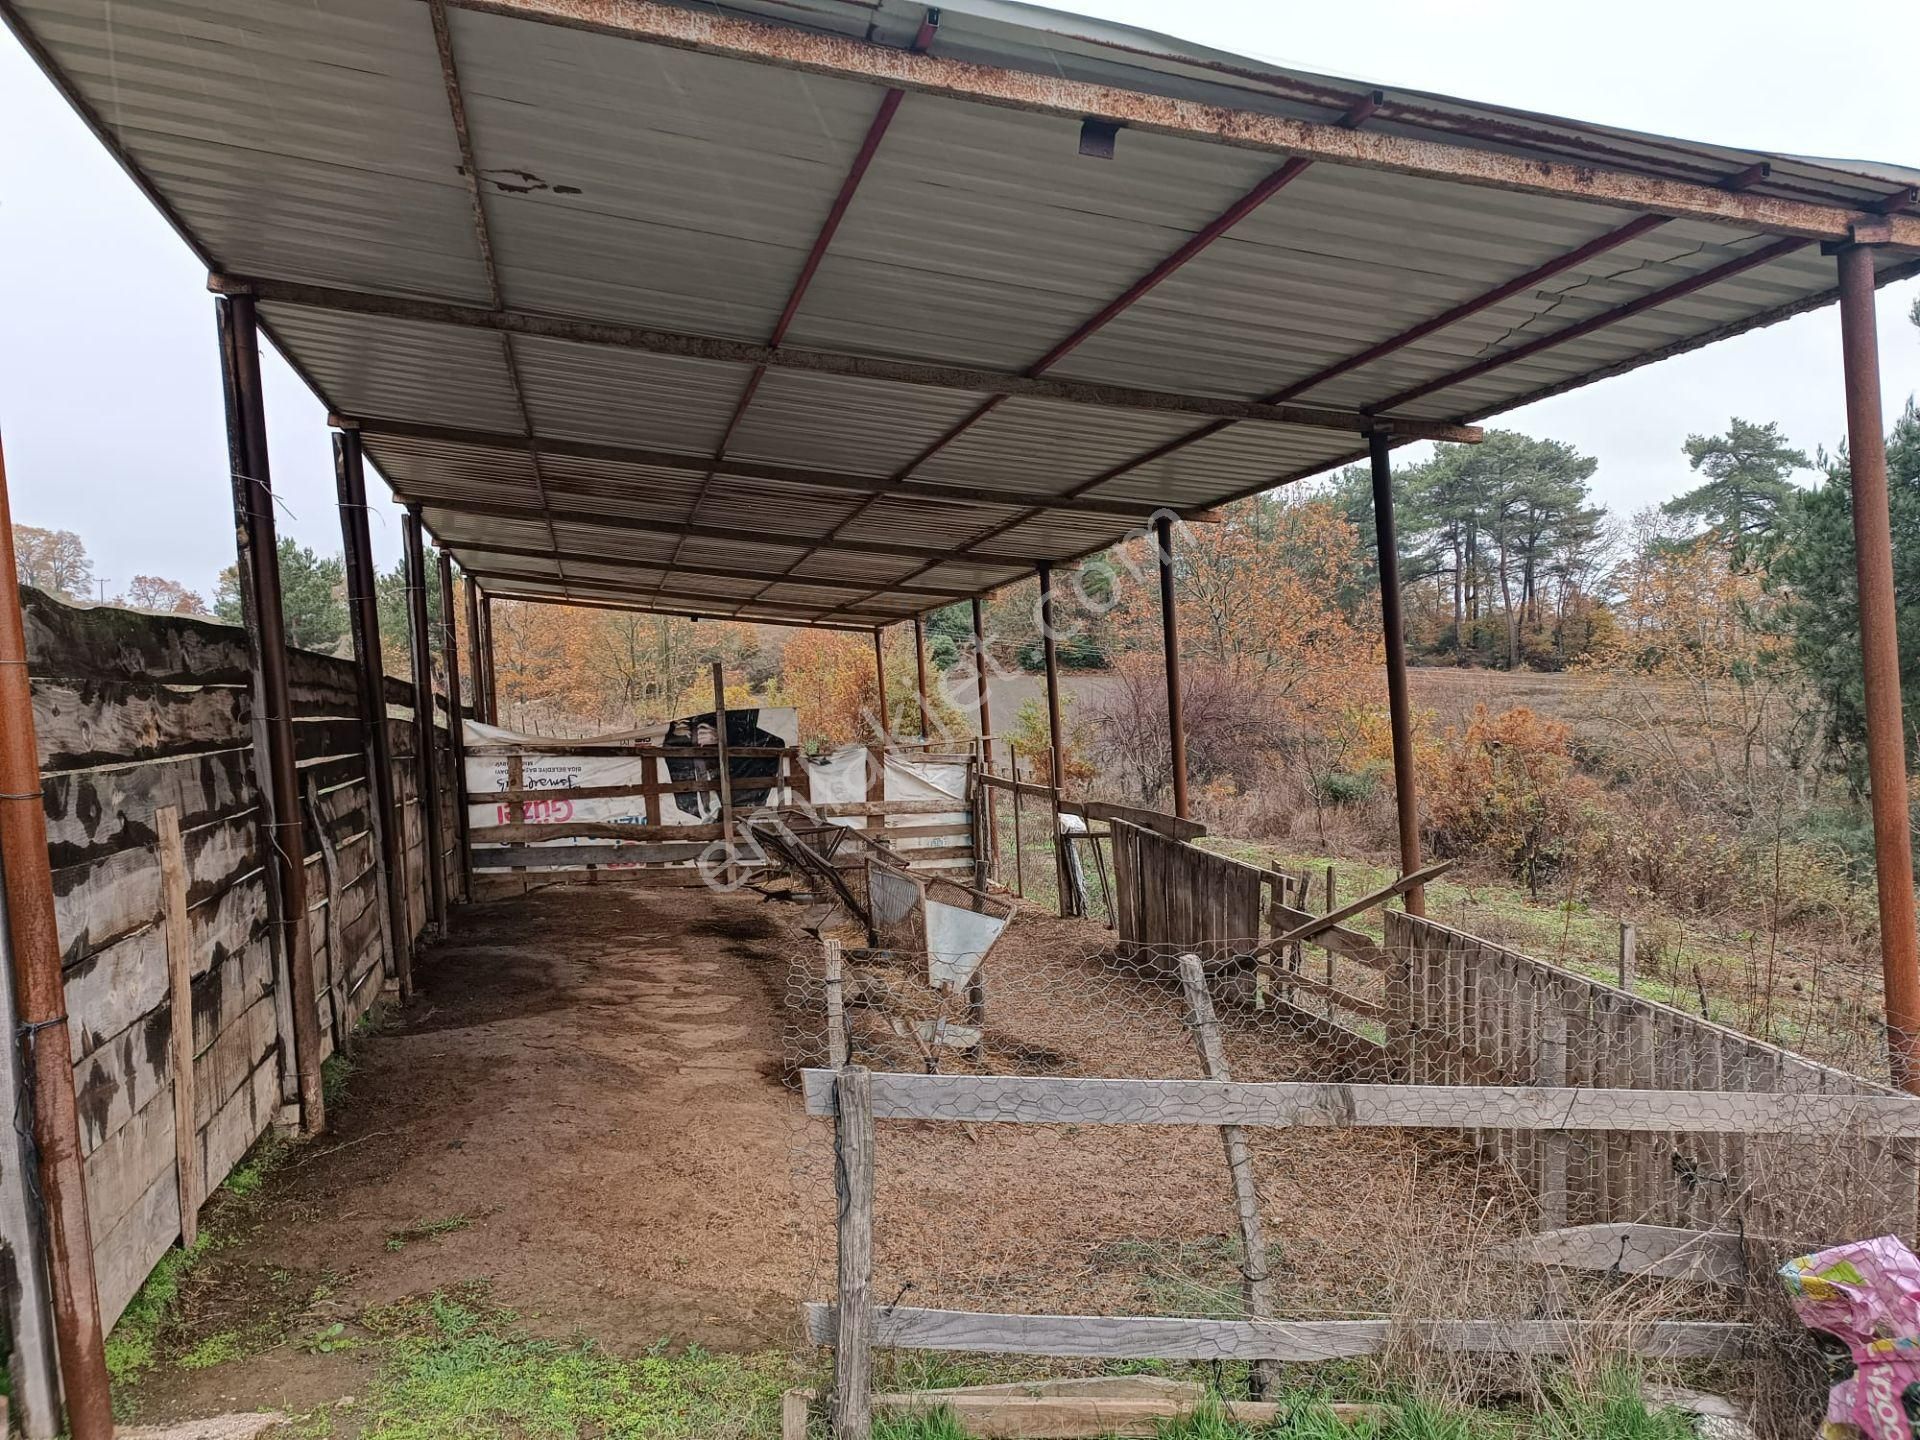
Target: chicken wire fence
[[1381, 1191]]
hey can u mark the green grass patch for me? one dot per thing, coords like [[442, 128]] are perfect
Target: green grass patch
[[458, 1369], [937, 1424], [213, 1350], [132, 1346]]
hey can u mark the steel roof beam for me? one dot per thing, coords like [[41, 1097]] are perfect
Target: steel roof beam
[[1653, 299], [741, 535], [642, 607], [715, 33], [826, 362], [878, 486], [934, 594], [718, 604]]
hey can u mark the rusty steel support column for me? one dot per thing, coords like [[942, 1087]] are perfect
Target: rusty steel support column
[[980, 669], [920, 679], [46, 1053], [1880, 666], [880, 679], [1406, 801], [456, 718], [363, 615], [488, 658], [1050, 651], [259, 575], [419, 642], [983, 845], [1170, 652], [476, 667]]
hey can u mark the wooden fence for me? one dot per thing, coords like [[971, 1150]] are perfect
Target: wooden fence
[[513, 821], [1469, 1012], [856, 1098], [155, 824]]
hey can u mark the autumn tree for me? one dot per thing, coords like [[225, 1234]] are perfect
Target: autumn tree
[[827, 676], [154, 592], [1691, 680], [1286, 667], [52, 561]]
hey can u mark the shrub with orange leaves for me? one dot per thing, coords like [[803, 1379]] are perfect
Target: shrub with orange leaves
[[1508, 788], [827, 676]]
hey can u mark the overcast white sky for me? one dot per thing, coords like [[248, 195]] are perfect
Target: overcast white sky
[[109, 392]]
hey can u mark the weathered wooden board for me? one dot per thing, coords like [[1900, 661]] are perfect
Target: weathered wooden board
[[71, 642], [333, 738], [111, 722], [93, 813], [1668, 1252], [110, 989], [1049, 1100], [102, 901], [124, 1255], [1175, 1338], [575, 856]]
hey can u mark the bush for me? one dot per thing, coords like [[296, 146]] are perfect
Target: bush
[[1509, 787]]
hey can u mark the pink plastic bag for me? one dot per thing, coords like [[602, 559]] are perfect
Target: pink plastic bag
[[1866, 1294]]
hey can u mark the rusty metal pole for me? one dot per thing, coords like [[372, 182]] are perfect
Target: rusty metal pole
[[1055, 753], [456, 717], [920, 678], [880, 679], [363, 615], [1406, 798], [1170, 652], [259, 571], [980, 669], [1880, 665], [984, 846], [33, 941], [486, 659], [419, 641], [477, 670]]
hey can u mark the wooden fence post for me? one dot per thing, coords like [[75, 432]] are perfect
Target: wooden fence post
[[853, 1185], [1257, 1281], [836, 1008], [1629, 954], [173, 891], [1550, 1068]]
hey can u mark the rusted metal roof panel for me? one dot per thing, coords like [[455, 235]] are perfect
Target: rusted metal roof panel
[[643, 184]]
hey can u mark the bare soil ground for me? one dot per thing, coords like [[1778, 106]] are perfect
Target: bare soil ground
[[584, 1109], [589, 1080]]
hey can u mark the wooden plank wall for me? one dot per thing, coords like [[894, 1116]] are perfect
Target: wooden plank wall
[[345, 904], [135, 712], [1478, 1014], [1167, 893]]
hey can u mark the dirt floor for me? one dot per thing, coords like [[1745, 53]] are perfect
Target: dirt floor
[[585, 1109], [582, 1107]]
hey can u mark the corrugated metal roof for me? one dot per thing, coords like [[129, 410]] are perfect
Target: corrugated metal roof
[[644, 184]]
